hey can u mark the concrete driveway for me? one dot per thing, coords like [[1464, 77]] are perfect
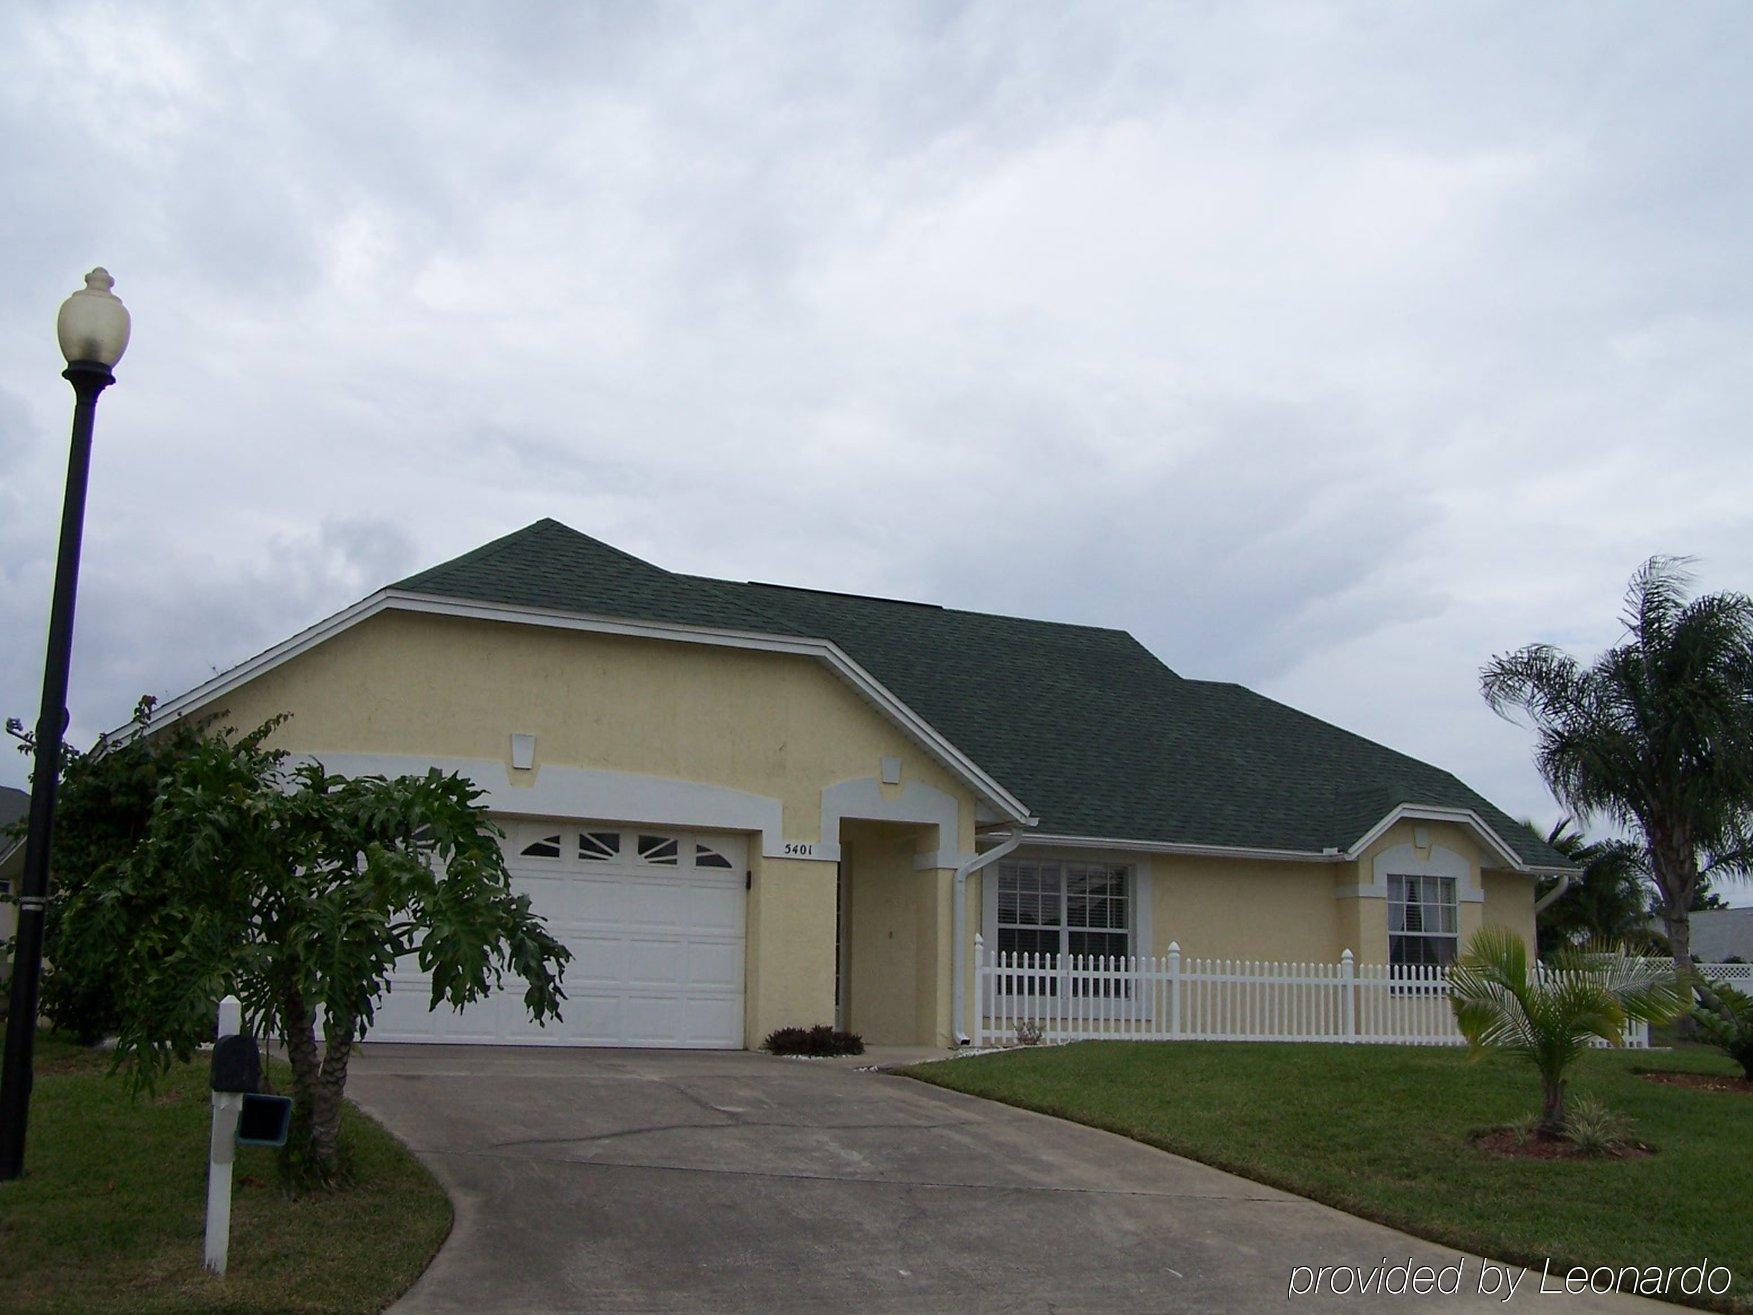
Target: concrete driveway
[[600, 1180]]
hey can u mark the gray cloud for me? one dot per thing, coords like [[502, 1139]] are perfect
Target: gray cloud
[[1326, 348]]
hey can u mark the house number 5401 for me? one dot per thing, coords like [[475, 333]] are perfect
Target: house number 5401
[[799, 849]]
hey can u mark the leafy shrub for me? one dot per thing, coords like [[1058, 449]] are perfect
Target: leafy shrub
[[823, 1040], [102, 813], [1525, 1129], [80, 1003], [1725, 1021], [1591, 1127]]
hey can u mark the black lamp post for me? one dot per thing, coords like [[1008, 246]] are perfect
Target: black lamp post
[[93, 329]]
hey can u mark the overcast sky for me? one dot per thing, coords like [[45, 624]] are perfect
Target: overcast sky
[[1327, 349]]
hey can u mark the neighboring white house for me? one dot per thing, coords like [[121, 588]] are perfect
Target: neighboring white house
[[14, 804], [1721, 935]]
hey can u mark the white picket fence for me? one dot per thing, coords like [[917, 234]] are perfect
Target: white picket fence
[[1172, 998]]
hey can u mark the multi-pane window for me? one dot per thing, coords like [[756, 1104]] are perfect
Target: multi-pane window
[[598, 846], [707, 857], [546, 847], [1423, 922], [658, 849], [1063, 908]]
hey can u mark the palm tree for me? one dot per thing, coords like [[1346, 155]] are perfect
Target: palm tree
[[1552, 1015], [1609, 903], [1655, 735]]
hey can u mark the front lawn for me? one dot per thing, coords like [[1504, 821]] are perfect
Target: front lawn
[[1382, 1131], [110, 1213]]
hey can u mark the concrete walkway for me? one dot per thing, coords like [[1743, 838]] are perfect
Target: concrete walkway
[[596, 1180]]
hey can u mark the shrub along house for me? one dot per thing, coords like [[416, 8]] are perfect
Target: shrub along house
[[746, 806]]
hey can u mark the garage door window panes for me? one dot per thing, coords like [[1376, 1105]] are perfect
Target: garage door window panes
[[598, 846], [546, 847], [658, 849], [707, 857]]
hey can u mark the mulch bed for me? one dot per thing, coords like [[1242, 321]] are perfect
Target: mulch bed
[[1503, 1142], [1700, 1081]]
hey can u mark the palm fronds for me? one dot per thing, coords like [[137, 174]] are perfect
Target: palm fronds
[[1550, 1015]]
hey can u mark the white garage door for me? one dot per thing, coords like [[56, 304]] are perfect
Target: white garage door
[[654, 920]]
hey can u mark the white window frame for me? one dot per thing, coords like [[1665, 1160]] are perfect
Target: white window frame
[[1408, 859], [1447, 907], [1138, 904]]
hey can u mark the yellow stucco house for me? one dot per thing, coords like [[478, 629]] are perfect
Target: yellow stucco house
[[746, 806]]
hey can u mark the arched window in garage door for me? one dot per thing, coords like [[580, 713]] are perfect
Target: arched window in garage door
[[546, 847], [599, 846], [661, 850]]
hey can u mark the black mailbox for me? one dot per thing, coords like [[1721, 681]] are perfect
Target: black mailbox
[[264, 1120], [237, 1064]]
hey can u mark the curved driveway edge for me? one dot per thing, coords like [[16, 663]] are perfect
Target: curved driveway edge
[[616, 1180]]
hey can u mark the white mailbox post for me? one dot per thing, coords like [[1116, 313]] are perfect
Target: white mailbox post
[[222, 1150]]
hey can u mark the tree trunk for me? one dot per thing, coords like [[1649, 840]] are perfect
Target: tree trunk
[[1676, 872], [1679, 925], [331, 1090], [314, 1155], [301, 1050], [1552, 1107]]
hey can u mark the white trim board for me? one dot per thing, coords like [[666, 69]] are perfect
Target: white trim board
[[1462, 816], [863, 799], [586, 794], [865, 684], [1404, 860]]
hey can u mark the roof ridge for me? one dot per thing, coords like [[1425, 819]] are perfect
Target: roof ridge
[[841, 593], [493, 547], [910, 602]]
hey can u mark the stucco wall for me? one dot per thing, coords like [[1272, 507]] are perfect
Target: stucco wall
[[768, 723], [789, 964], [1236, 908], [1509, 902]]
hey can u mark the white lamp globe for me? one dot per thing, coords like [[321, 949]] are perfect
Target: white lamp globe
[[93, 324]]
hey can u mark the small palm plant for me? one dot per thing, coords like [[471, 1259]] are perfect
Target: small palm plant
[[1551, 1015], [1725, 1020]]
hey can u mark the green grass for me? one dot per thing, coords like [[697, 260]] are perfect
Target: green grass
[[110, 1213], [1382, 1132]]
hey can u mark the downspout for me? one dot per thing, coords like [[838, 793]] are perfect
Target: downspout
[[959, 930], [1545, 901]]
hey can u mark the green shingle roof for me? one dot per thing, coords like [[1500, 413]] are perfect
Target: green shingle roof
[[1081, 723]]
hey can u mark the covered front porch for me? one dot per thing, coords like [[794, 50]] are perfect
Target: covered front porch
[[895, 962]]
